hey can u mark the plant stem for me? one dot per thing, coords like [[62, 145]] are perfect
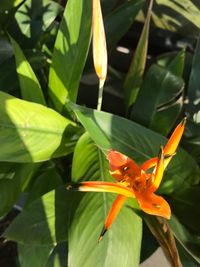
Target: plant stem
[[100, 96]]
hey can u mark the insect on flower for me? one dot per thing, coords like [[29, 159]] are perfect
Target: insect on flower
[[136, 181]]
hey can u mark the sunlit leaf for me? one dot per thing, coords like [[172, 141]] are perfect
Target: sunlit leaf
[[70, 52], [29, 84], [31, 132]]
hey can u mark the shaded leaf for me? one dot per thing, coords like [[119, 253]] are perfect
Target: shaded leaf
[[120, 20], [33, 19], [158, 94], [58, 257], [44, 221], [183, 202], [113, 132], [173, 61], [122, 239], [31, 256], [135, 73], [31, 132], [10, 189], [70, 52], [29, 84], [189, 241], [193, 105]]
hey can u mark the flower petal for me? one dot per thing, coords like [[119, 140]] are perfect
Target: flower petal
[[116, 207], [174, 140], [153, 204], [99, 41], [96, 186], [122, 166]]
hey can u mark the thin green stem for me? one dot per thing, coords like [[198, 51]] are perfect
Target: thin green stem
[[100, 96]]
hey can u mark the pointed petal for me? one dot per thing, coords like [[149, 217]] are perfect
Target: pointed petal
[[99, 41], [96, 186], [175, 138], [153, 204], [158, 172], [122, 166], [116, 207]]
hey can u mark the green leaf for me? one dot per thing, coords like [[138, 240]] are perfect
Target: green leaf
[[183, 202], [31, 132], [30, 86], [11, 188], [193, 105], [190, 241], [44, 221], [120, 20], [158, 94], [122, 239], [173, 61], [180, 17], [113, 132], [70, 52], [33, 20], [135, 73], [8, 4], [45, 180], [58, 257], [31, 256]]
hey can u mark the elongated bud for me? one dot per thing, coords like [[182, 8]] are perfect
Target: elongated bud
[[99, 41]]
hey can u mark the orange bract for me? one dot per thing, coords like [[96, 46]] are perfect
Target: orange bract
[[133, 180]]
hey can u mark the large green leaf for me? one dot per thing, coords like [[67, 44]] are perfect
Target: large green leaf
[[113, 132], [135, 73], [158, 95], [30, 132], [70, 52], [120, 20], [30, 86], [44, 221], [124, 237]]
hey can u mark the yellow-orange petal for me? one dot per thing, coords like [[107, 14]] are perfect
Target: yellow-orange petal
[[158, 172], [153, 204], [175, 138], [96, 186], [149, 163], [99, 41], [116, 207]]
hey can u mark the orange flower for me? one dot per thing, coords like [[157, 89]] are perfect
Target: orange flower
[[134, 181], [99, 41]]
